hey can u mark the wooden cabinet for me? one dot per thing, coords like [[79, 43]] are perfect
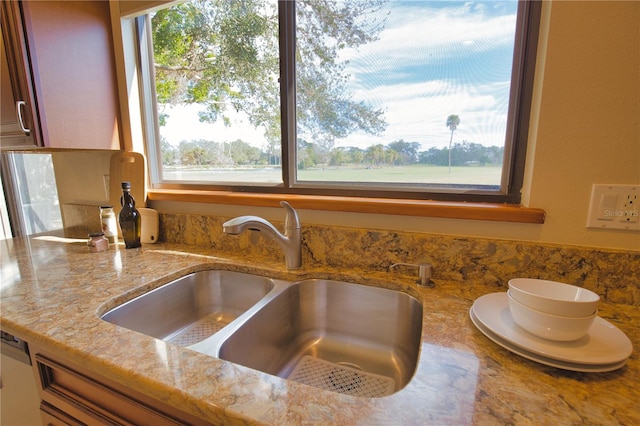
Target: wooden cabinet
[[69, 68], [19, 125], [71, 395], [51, 416]]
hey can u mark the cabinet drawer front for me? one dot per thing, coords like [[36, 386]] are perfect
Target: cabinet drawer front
[[51, 416], [91, 401]]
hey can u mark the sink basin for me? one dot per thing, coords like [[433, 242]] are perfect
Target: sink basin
[[343, 337], [193, 307]]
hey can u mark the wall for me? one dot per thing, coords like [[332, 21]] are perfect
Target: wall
[[585, 130], [589, 121]]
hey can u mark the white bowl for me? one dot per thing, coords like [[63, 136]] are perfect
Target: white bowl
[[547, 326], [554, 298]]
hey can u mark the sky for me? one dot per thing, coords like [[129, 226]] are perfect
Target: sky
[[432, 59]]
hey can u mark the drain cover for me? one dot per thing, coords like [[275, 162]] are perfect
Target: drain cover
[[342, 379]]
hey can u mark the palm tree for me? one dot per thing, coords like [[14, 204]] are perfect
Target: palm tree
[[452, 122]]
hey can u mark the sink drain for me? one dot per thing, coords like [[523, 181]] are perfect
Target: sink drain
[[347, 379]]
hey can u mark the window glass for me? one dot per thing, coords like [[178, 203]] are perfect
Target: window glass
[[385, 97], [216, 71], [410, 92]]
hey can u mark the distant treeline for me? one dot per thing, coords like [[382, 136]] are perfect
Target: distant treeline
[[399, 153]]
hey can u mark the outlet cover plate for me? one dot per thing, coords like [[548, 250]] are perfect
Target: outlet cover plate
[[614, 207]]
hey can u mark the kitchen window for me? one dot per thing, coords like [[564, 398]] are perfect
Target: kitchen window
[[416, 100]]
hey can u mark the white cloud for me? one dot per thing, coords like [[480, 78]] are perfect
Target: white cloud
[[416, 117], [412, 36], [429, 39]]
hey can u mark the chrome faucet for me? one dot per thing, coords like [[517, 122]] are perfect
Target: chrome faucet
[[290, 242]]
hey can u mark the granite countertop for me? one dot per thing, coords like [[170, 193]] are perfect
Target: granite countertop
[[53, 290]]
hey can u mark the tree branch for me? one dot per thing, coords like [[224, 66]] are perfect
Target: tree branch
[[178, 69]]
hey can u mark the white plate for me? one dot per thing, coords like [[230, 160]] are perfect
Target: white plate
[[604, 344], [586, 368]]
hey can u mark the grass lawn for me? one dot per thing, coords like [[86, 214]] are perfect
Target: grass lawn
[[415, 173]]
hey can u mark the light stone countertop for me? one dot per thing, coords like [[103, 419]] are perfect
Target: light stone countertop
[[53, 291]]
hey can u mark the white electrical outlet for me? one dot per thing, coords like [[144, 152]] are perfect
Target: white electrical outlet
[[614, 207]]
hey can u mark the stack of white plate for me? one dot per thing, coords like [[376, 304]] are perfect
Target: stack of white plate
[[604, 348]]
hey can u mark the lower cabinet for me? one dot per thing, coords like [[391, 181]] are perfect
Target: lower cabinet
[[73, 396], [51, 416]]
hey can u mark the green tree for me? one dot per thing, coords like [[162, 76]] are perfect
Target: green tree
[[169, 152], [307, 156], [453, 121], [223, 55], [407, 151], [337, 157], [375, 154], [391, 156], [242, 153], [357, 155], [202, 153]]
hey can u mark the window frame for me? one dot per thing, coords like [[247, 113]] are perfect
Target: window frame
[[523, 70]]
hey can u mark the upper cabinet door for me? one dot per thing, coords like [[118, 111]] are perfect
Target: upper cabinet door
[[19, 126], [70, 48]]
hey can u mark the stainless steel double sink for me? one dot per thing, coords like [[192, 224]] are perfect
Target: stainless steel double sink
[[349, 338]]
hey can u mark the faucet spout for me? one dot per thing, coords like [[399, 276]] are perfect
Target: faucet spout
[[238, 225], [290, 242]]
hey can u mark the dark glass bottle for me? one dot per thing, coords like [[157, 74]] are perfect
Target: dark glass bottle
[[129, 218]]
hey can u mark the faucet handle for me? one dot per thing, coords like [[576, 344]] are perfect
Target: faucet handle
[[425, 270], [291, 221]]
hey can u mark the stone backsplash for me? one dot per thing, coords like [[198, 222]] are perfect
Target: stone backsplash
[[612, 274]]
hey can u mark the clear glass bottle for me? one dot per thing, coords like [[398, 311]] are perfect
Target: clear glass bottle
[[109, 225], [130, 220]]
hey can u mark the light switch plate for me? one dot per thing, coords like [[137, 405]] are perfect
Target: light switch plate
[[614, 207]]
